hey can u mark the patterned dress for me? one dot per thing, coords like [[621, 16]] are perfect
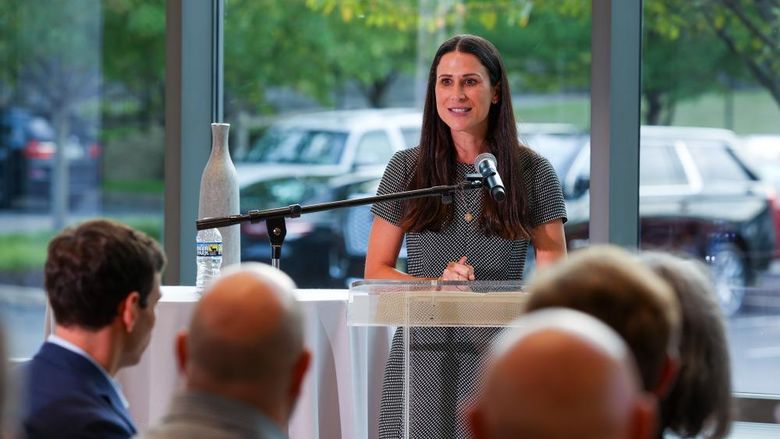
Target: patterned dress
[[444, 361]]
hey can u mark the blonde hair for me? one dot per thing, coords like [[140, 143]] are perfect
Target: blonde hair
[[610, 284]]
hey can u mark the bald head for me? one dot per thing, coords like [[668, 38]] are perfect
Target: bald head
[[246, 334], [561, 374]]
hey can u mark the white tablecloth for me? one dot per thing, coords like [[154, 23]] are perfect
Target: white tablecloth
[[341, 392]]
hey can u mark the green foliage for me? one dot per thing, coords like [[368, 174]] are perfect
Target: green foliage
[[134, 186], [134, 48], [551, 52], [406, 15], [270, 44], [130, 154], [680, 60], [134, 42], [63, 31], [24, 251], [50, 52], [692, 47], [317, 47], [27, 251]]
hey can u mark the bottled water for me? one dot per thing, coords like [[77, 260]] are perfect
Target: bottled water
[[208, 257]]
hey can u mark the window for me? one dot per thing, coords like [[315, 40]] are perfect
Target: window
[[707, 82], [373, 148], [716, 163], [660, 166], [411, 136], [364, 70], [94, 98]]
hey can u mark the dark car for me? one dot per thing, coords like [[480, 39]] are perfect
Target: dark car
[[322, 249], [27, 152], [697, 197]]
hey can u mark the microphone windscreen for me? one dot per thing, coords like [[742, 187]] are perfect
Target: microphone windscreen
[[484, 156]]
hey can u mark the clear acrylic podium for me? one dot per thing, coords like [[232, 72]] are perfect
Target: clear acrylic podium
[[434, 304]]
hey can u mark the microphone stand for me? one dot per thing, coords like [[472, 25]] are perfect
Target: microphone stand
[[275, 218]]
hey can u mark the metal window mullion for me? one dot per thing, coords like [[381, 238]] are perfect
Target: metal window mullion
[[193, 99], [615, 93]]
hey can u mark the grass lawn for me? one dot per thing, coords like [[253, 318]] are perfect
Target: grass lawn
[[134, 186], [754, 112], [24, 251], [27, 251]]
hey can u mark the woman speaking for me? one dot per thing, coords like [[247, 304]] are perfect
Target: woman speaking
[[468, 111]]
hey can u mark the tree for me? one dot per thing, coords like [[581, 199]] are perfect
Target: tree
[[689, 47], [134, 61], [366, 43], [58, 58], [310, 51], [550, 51], [750, 29]]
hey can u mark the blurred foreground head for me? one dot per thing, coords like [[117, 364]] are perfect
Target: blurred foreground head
[[610, 284], [561, 374], [245, 341], [699, 404]]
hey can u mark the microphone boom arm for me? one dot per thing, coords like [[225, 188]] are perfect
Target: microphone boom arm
[[274, 217]]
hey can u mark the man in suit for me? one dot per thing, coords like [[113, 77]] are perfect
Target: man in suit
[[243, 359], [561, 374], [102, 279]]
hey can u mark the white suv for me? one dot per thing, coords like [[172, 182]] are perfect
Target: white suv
[[329, 143]]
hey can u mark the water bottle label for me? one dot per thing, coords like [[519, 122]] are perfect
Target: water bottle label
[[209, 248]]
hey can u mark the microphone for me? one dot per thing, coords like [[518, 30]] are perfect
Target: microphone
[[486, 165]]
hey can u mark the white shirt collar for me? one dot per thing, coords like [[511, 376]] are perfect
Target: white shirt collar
[[59, 341]]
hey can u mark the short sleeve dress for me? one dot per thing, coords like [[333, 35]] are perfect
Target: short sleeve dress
[[444, 361]]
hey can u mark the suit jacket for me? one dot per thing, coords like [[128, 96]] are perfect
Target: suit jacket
[[198, 415], [67, 396]]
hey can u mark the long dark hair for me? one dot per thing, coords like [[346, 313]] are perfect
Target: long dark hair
[[437, 161]]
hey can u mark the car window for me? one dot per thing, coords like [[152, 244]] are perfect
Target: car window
[[373, 148], [298, 146], [282, 192], [560, 150], [411, 136], [577, 175], [716, 162], [659, 165]]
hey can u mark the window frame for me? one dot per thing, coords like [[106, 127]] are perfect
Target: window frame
[[195, 99]]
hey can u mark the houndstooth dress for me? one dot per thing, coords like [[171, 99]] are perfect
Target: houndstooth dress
[[444, 361]]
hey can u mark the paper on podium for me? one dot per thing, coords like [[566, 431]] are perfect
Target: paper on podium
[[435, 303]]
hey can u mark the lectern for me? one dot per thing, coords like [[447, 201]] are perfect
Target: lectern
[[427, 304]]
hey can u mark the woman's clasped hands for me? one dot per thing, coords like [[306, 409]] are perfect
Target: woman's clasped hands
[[458, 270]]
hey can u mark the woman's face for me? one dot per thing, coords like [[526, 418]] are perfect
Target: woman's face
[[464, 93]]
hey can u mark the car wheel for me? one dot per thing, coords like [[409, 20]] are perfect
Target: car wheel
[[730, 275]]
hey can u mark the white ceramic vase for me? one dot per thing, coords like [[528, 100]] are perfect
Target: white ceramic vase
[[219, 192]]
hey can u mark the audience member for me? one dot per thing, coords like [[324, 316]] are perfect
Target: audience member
[[699, 404], [243, 359], [561, 374], [102, 279], [608, 283]]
